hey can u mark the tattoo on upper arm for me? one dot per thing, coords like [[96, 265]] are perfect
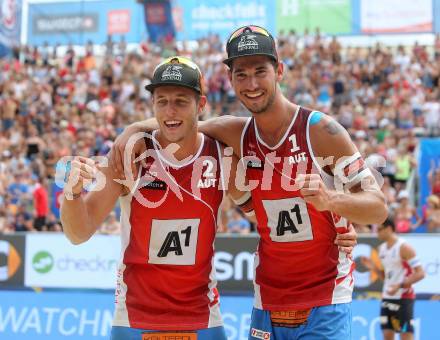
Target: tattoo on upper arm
[[333, 128]]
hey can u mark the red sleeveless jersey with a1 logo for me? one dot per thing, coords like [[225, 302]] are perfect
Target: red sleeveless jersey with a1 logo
[[297, 264], [166, 280]]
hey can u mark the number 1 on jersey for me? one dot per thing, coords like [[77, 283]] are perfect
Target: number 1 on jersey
[[295, 146]]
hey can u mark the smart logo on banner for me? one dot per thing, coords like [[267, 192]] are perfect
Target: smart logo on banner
[[52, 261]]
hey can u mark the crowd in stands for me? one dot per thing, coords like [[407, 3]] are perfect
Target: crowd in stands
[[54, 105]]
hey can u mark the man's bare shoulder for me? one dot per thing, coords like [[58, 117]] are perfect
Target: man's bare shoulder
[[329, 138]]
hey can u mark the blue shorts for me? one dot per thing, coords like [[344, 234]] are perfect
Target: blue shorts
[[127, 333], [332, 322]]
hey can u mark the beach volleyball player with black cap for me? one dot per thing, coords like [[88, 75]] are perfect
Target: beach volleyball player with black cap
[[311, 182], [166, 286], [303, 283]]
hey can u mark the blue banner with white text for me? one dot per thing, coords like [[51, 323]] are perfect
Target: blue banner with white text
[[88, 315], [197, 18], [78, 22]]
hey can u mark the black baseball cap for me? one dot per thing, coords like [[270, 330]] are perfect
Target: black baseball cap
[[250, 40], [178, 71]]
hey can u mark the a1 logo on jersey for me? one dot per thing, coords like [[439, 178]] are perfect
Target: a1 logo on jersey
[[288, 220], [297, 157], [208, 179], [173, 241]]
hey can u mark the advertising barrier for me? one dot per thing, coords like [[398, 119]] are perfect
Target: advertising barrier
[[159, 20], [12, 254], [396, 16], [332, 17], [436, 9], [194, 18], [10, 24], [49, 260], [77, 22], [429, 156], [88, 315], [63, 24], [234, 263], [52, 261]]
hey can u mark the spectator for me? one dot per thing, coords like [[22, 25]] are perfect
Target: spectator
[[41, 203], [237, 223], [431, 215], [404, 213], [404, 162], [434, 178], [22, 220], [111, 226], [56, 105]]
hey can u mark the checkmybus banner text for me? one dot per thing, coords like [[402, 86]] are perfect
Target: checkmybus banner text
[[53, 262]]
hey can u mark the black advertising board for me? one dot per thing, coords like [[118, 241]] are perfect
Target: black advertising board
[[12, 260]]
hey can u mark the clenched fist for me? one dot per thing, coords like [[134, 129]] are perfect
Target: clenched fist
[[80, 174], [314, 191]]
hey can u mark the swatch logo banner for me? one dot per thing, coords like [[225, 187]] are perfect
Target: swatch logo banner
[[43, 262], [11, 260]]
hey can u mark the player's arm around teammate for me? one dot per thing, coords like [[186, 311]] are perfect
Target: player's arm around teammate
[[235, 178], [226, 129], [81, 215]]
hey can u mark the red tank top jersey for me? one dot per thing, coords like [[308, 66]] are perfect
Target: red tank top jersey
[[166, 280], [297, 264]]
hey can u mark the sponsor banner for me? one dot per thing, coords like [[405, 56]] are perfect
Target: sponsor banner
[[55, 315], [10, 24], [52, 261], [426, 248], [299, 15], [436, 5], [77, 22], [56, 194], [424, 245], [88, 315], [234, 262], [12, 255], [71, 23], [118, 21], [159, 20], [429, 156], [194, 19], [365, 280], [396, 16]]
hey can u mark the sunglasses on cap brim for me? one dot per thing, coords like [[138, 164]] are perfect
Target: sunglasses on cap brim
[[180, 60], [251, 28]]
